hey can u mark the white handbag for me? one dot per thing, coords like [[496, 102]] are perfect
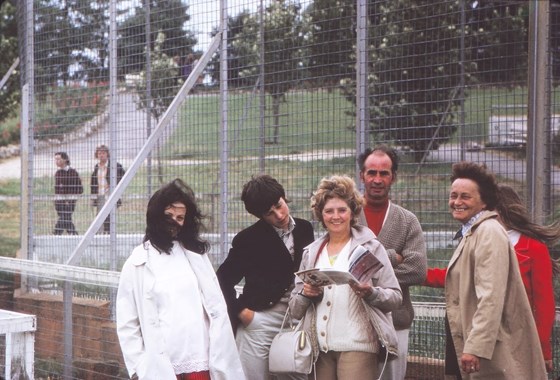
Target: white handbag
[[291, 351]]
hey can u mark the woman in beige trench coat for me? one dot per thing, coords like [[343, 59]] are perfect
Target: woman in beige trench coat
[[491, 331]]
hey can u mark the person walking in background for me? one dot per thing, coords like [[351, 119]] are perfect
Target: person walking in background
[[172, 319], [400, 233], [536, 266], [348, 324], [67, 185], [265, 255], [101, 181], [490, 329]]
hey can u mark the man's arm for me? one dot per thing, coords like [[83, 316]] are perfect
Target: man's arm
[[412, 269]]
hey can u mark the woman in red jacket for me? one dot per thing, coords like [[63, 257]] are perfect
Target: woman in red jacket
[[537, 268]]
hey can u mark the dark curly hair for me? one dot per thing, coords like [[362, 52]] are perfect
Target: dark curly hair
[[484, 178], [157, 223]]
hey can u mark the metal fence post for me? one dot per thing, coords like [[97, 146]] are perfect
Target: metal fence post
[[538, 117], [362, 101]]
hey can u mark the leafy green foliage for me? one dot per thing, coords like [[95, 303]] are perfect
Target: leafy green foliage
[[332, 40], [10, 131], [235, 60], [53, 23], [164, 82], [283, 42], [415, 76], [66, 108], [10, 94], [170, 18], [497, 34]]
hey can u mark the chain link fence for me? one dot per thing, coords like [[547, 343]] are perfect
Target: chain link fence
[[213, 92]]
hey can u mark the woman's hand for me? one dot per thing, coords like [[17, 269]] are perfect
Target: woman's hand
[[311, 291], [361, 290], [470, 363], [246, 316]]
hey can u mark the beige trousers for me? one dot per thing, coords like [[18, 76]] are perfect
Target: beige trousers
[[348, 365]]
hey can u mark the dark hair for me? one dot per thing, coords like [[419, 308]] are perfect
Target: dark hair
[[383, 148], [514, 215], [103, 148], [64, 156], [157, 231], [337, 186], [261, 193], [484, 178]]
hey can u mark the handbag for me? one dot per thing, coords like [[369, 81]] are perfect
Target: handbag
[[291, 351]]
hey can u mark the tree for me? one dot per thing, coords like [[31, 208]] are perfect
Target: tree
[[170, 18], [235, 62], [163, 87], [284, 34], [414, 72], [333, 40], [497, 35], [90, 19], [10, 93], [52, 61]]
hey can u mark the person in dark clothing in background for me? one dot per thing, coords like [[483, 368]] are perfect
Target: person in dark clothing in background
[[67, 185]]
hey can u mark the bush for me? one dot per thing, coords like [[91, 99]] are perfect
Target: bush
[[66, 108], [10, 131]]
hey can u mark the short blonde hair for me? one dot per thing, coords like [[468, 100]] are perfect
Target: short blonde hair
[[337, 186]]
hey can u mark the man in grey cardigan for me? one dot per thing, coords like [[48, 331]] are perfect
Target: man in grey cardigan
[[400, 233]]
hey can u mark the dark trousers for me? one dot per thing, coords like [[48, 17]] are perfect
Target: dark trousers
[[451, 363], [64, 209], [107, 222]]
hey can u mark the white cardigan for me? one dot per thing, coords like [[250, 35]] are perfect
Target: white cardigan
[[138, 326]]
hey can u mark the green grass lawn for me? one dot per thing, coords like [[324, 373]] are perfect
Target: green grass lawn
[[9, 227], [308, 120]]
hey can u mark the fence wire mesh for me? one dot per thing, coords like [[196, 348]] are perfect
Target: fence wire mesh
[[298, 90]]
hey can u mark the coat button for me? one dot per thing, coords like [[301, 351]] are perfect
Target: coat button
[[328, 303], [323, 333], [324, 317]]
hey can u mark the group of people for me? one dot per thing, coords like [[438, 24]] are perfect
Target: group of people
[[179, 319], [68, 185]]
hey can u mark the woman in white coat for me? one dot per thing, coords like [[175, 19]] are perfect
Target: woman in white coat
[[172, 319]]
